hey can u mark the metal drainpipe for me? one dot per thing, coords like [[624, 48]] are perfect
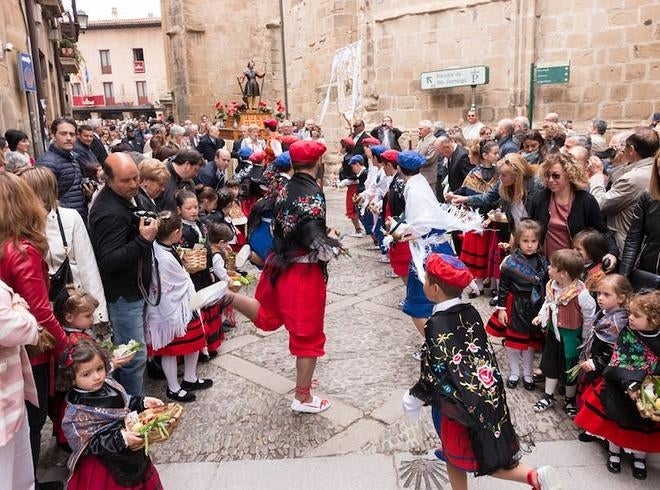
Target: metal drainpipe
[[36, 63], [284, 80]]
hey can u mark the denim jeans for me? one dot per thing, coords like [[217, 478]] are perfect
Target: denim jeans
[[127, 320]]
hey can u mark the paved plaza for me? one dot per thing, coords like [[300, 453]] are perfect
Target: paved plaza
[[242, 434]]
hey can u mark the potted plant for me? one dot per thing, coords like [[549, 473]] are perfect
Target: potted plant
[[66, 48]]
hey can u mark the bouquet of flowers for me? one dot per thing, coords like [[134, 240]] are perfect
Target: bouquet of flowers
[[264, 107], [221, 111], [280, 111], [235, 109]]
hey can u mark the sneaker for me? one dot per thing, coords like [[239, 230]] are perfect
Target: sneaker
[[357, 234], [548, 479], [544, 403], [315, 405], [242, 256], [181, 396], [200, 384], [401, 303]]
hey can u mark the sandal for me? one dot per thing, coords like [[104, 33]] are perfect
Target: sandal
[[639, 468], [544, 403], [570, 407], [614, 462]]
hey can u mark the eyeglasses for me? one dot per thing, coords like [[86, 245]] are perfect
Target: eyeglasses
[[553, 176]]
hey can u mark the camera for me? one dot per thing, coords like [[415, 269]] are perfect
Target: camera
[[86, 180], [147, 215]]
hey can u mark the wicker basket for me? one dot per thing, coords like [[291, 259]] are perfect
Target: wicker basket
[[174, 410], [194, 259], [646, 411]]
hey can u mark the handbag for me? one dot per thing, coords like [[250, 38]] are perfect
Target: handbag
[[644, 280], [63, 275]]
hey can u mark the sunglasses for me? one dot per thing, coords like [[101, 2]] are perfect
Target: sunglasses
[[553, 176]]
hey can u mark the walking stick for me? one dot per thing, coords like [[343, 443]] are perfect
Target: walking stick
[[261, 90], [243, 97]]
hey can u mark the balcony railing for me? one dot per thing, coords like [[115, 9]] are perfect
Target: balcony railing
[[106, 69], [138, 67]]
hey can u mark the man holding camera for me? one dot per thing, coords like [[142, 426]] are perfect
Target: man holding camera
[[387, 135], [122, 244]]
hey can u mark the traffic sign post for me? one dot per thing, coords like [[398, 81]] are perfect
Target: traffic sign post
[[458, 77], [546, 74]]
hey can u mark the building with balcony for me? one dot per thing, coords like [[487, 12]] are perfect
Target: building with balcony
[[122, 70], [33, 73]]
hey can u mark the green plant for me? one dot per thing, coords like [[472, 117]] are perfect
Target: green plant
[[66, 43]]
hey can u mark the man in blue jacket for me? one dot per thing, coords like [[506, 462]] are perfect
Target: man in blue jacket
[[62, 160]]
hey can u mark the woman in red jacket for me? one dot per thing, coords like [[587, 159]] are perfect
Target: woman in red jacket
[[22, 266]]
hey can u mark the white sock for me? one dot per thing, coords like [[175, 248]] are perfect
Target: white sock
[[528, 364], [514, 363], [639, 455], [494, 283], [190, 367], [613, 447], [169, 369], [550, 386], [571, 390], [480, 284]]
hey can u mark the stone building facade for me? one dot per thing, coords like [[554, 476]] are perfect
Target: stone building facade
[[613, 47]]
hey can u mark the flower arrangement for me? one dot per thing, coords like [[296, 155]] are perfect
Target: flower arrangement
[[280, 111], [235, 109], [264, 107], [220, 111]]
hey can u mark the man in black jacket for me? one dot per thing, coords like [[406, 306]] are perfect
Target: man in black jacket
[[210, 143], [214, 174], [123, 248], [387, 135]]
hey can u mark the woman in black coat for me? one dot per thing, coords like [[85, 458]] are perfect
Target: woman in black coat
[[640, 260], [564, 208]]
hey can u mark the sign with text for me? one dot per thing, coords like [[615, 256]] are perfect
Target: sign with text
[[88, 100], [26, 73], [549, 73], [457, 77]]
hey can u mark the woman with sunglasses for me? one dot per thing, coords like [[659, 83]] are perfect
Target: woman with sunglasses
[[565, 208]]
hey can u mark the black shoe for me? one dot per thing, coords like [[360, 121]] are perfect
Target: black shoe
[[227, 326], [181, 396], [473, 295], [639, 473], [493, 293], [614, 462], [511, 383], [529, 385], [584, 437], [200, 384], [154, 369], [203, 357], [538, 377], [493, 301]]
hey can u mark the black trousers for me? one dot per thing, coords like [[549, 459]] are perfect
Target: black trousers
[[37, 415]]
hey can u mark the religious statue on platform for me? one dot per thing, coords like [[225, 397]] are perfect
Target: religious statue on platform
[[251, 90]]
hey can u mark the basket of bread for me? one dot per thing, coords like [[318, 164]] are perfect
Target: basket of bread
[[155, 424], [648, 401]]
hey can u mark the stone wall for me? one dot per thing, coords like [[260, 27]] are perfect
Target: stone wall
[[613, 47]]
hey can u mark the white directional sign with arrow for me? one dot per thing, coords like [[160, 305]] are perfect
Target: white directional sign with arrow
[[457, 77]]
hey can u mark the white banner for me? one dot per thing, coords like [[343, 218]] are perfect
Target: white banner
[[346, 74]]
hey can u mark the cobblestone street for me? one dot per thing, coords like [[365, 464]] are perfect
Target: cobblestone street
[[368, 365]]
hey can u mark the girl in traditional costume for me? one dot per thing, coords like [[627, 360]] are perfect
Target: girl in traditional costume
[[609, 409], [106, 456], [519, 300], [172, 328]]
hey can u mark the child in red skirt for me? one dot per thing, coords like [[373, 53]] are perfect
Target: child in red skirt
[[461, 381], [106, 456], [519, 300], [609, 409], [172, 328]]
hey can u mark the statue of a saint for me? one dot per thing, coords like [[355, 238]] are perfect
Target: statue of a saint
[[251, 91]]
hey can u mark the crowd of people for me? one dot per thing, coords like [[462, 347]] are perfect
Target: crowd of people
[[138, 230]]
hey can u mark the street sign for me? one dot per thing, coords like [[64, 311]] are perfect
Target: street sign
[[457, 77], [26, 73], [547, 73]]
